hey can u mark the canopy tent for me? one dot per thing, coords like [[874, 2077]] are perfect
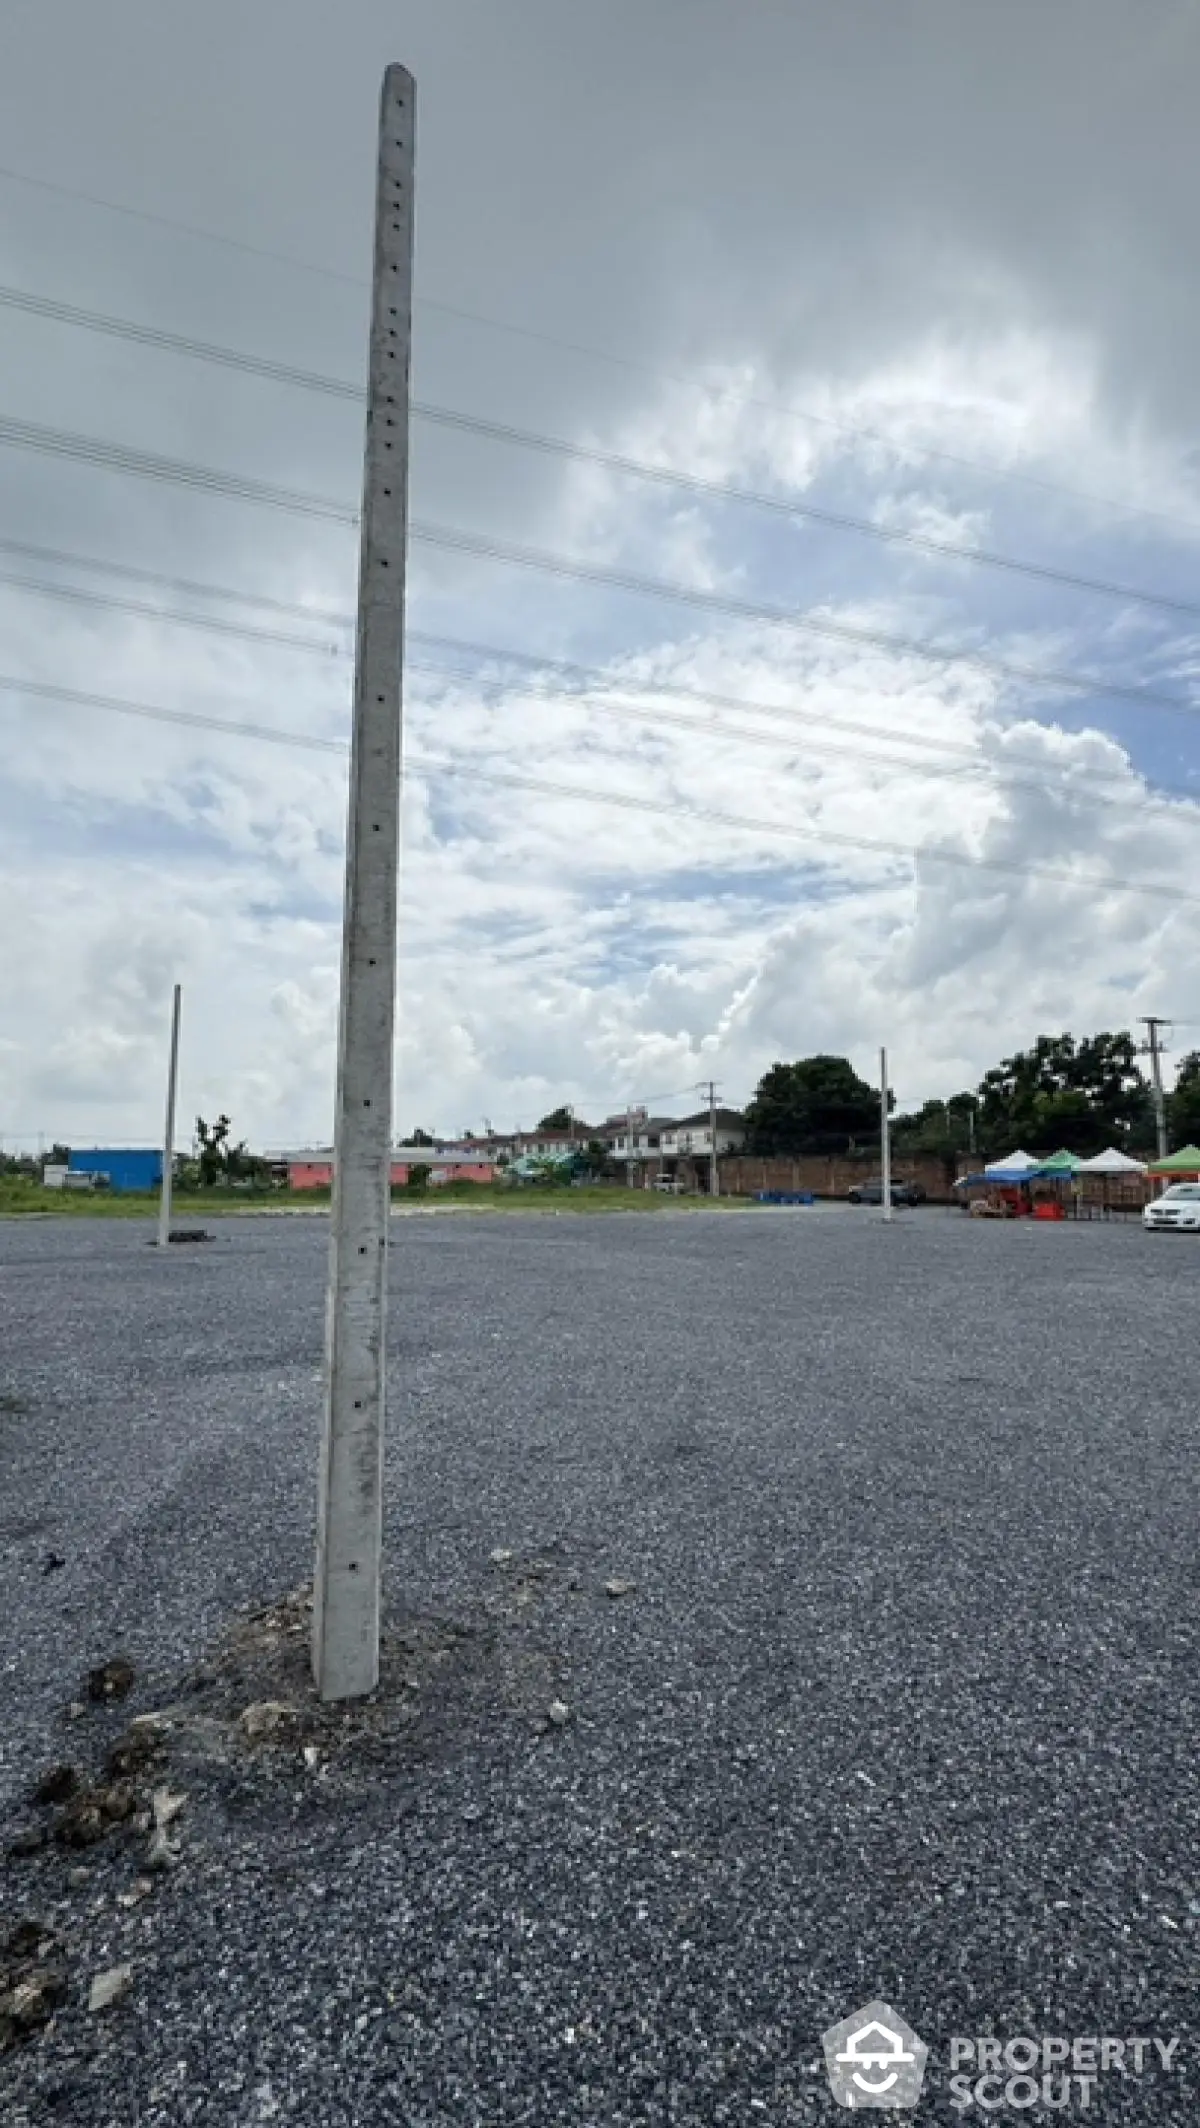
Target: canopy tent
[[1185, 1162], [1017, 1167], [1113, 1162], [1062, 1164]]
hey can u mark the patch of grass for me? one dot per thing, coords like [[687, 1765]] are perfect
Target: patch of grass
[[503, 1197], [21, 1197]]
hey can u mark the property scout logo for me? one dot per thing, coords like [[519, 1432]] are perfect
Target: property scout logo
[[875, 2060]]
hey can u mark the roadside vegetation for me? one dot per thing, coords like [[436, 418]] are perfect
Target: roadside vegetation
[[21, 1195]]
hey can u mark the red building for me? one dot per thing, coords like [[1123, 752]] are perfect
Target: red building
[[313, 1170]]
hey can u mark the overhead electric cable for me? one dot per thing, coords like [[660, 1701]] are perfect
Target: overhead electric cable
[[32, 436], [610, 461], [430, 765], [978, 468], [968, 764]]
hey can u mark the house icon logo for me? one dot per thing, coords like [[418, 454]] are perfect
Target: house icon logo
[[874, 2059]]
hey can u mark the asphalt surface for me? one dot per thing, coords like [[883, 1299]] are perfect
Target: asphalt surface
[[902, 1704]]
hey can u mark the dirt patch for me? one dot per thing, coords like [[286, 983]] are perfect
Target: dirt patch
[[240, 1749]]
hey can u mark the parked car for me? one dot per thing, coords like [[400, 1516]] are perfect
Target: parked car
[[904, 1193], [1177, 1208]]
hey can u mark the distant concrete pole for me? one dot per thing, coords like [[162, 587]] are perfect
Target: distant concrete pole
[[714, 1178], [885, 1135], [346, 1583], [164, 1202], [1153, 1048]]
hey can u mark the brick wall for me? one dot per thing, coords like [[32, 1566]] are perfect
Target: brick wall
[[745, 1175]]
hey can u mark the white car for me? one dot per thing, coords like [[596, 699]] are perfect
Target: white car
[[1177, 1207]]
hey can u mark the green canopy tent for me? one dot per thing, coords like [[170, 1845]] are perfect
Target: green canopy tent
[[1181, 1166], [1061, 1164]]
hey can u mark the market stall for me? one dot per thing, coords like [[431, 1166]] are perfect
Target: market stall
[[1183, 1166], [1009, 1181], [1112, 1182]]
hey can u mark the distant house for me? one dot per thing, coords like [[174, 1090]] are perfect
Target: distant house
[[124, 1168], [637, 1139], [654, 1146], [313, 1168], [692, 1138]]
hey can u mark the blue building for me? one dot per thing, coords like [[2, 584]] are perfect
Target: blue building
[[126, 1168]]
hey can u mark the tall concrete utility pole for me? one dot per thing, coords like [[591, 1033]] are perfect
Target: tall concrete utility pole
[[629, 1148], [714, 1179], [885, 1135], [346, 1583], [164, 1201], [1153, 1048]]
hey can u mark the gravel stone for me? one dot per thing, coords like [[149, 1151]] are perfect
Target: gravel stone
[[108, 1987], [909, 1713]]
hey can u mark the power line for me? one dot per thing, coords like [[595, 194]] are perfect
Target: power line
[[188, 586], [975, 770], [454, 419], [195, 720], [540, 663], [969, 765], [430, 765], [166, 221], [979, 468], [146, 465], [484, 549], [178, 344], [599, 678], [115, 457], [581, 677], [104, 600], [832, 520]]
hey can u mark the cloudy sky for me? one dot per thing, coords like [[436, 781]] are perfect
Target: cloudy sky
[[932, 265]]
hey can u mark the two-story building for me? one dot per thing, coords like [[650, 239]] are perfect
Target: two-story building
[[693, 1137], [669, 1148]]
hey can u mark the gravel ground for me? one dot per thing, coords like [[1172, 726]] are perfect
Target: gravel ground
[[901, 1704]]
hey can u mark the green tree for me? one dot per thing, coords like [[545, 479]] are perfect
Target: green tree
[[941, 1127], [817, 1105], [559, 1119], [418, 1137], [1082, 1095], [1183, 1105], [211, 1140], [418, 1177], [220, 1163]]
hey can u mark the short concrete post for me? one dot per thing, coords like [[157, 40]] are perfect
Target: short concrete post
[[164, 1201], [885, 1135]]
